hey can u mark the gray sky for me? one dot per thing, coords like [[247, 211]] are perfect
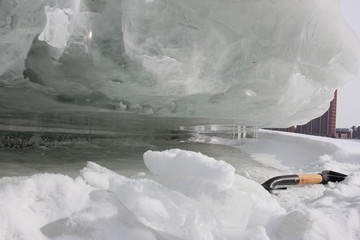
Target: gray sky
[[348, 105]]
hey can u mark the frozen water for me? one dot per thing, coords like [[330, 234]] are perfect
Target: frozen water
[[143, 68], [260, 62], [103, 204], [55, 31], [187, 164], [20, 22]]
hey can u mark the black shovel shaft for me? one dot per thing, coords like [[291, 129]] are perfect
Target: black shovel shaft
[[286, 180]]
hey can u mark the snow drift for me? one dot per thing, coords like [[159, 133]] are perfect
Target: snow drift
[[190, 202], [104, 205]]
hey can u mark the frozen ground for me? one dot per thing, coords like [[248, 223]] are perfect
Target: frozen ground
[[188, 195]]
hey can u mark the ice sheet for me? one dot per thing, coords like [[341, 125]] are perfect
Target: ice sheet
[[257, 62]]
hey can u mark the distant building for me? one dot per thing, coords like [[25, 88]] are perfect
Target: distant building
[[356, 132], [344, 133], [324, 125]]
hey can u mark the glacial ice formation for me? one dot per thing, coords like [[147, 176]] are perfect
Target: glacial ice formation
[[266, 62]]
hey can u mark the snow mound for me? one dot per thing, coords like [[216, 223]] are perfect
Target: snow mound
[[29, 203], [102, 204], [184, 198], [332, 212]]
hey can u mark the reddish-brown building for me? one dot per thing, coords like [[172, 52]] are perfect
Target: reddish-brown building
[[344, 133]]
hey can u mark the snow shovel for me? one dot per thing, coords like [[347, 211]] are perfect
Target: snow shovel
[[282, 181]]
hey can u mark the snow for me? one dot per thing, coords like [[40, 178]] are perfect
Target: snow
[[29, 203], [183, 198]]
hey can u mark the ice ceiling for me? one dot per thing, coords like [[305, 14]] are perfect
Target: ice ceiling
[[270, 62]]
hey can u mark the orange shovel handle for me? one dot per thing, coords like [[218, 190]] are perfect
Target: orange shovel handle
[[310, 178]]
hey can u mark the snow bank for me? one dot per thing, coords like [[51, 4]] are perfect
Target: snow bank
[[332, 212], [102, 204], [185, 198], [312, 212], [315, 212], [29, 203], [275, 153]]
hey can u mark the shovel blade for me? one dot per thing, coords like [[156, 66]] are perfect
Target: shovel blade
[[332, 176]]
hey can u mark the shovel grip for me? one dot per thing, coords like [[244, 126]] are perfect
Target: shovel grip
[[310, 178]]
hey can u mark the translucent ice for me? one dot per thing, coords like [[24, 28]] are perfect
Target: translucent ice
[[177, 162], [55, 31], [20, 21], [267, 62], [192, 204]]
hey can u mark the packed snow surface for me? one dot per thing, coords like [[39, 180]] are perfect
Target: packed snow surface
[[187, 195]]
